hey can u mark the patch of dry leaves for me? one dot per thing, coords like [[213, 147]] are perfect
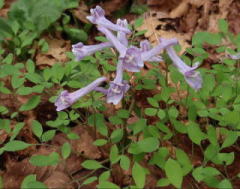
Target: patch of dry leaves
[[56, 52]]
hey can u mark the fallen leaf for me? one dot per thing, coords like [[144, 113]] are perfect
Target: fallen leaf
[[56, 52]]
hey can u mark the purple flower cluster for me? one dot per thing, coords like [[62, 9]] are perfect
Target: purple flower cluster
[[131, 58]]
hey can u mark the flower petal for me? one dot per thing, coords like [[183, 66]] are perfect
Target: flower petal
[[192, 77], [132, 60], [113, 39], [66, 99], [98, 17], [122, 37], [80, 50], [164, 43]]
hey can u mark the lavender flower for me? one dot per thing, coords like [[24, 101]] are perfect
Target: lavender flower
[[145, 46], [164, 43], [132, 60], [117, 87], [80, 50], [113, 39], [192, 77], [234, 56], [66, 99], [98, 17], [130, 57], [121, 36]]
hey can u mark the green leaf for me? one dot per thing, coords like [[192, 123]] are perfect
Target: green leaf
[[24, 90], [48, 135], [3, 110], [225, 183], [153, 102], [89, 180], [146, 145], [8, 59], [101, 39], [223, 25], [150, 111], [139, 175], [5, 29], [27, 180], [163, 182], [37, 15], [161, 114], [230, 139], [227, 158], [45, 160], [15, 145], [1, 3], [149, 144], [101, 126], [66, 150], [91, 164], [16, 130], [138, 126], [138, 22], [16, 81], [173, 112], [107, 185], [124, 162], [137, 8], [30, 66], [31, 104], [123, 113], [73, 136], [179, 126], [34, 77], [117, 135], [4, 89], [104, 176], [76, 34], [30, 182], [100, 142], [184, 161], [200, 173], [115, 120], [159, 158], [37, 128], [114, 156], [212, 135], [195, 134], [211, 152], [5, 125], [174, 172], [200, 38]]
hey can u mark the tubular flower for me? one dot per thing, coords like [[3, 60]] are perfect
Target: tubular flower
[[164, 43], [192, 77], [66, 99], [132, 57], [117, 87], [98, 17], [121, 36], [132, 60], [80, 50], [234, 56], [145, 46]]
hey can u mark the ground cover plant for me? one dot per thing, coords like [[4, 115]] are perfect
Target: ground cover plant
[[119, 112]]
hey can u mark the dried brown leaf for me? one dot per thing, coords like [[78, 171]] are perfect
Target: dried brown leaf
[[56, 52]]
